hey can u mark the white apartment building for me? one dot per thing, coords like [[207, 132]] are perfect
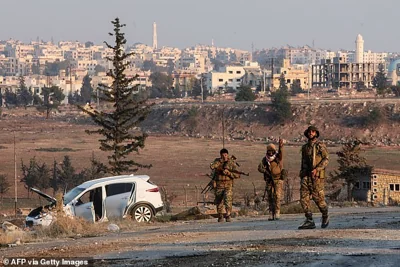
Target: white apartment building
[[19, 66], [165, 54], [88, 65], [371, 57], [229, 77]]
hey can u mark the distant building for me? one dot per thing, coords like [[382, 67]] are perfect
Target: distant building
[[359, 49], [394, 72], [341, 74], [381, 187], [228, 79]]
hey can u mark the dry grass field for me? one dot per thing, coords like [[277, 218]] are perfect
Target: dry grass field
[[179, 163]]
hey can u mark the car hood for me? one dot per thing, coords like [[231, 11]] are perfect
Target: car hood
[[47, 197]]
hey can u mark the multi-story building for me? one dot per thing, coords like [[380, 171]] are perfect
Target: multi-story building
[[342, 74], [291, 72], [228, 78]]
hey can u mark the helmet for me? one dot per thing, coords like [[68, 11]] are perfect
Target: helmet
[[271, 147], [311, 128]]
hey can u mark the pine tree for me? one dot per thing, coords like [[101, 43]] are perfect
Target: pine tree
[[54, 181], [66, 173], [86, 90], [380, 81], [280, 101], [30, 174], [352, 166], [296, 87], [52, 98], [245, 94], [4, 185], [127, 112], [24, 96]]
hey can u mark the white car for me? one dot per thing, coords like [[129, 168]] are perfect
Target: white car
[[104, 198]]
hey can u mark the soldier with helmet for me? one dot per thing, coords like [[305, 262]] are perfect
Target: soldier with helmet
[[272, 166], [314, 159]]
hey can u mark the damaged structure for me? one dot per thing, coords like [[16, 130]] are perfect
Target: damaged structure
[[381, 187], [338, 73]]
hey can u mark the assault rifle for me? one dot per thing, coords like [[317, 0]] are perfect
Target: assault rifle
[[209, 186], [239, 172], [272, 197]]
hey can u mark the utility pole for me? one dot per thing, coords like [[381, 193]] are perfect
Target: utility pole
[[201, 86], [264, 83], [272, 73], [70, 79], [15, 179], [223, 127]]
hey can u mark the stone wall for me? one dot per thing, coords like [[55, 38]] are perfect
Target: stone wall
[[385, 187]]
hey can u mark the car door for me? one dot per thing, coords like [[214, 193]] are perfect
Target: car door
[[131, 199], [117, 197], [83, 206]]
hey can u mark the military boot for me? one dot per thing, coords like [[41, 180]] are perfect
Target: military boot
[[228, 218], [277, 215], [220, 217], [325, 221], [270, 216], [308, 223]]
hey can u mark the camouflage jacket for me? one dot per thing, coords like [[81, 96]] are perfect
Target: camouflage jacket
[[272, 169], [314, 156], [219, 166]]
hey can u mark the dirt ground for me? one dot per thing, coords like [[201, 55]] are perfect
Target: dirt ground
[[179, 163], [355, 237]]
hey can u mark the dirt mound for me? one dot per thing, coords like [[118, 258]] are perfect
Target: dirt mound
[[337, 122]]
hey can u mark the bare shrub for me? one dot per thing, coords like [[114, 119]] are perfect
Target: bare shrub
[[65, 226], [167, 198], [9, 238]]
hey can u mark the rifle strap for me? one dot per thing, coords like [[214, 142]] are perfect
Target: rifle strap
[[314, 155]]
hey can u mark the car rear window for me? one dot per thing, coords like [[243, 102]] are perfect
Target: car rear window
[[120, 188]]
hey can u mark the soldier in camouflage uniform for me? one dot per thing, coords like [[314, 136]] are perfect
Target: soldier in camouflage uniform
[[271, 166], [224, 168], [314, 159]]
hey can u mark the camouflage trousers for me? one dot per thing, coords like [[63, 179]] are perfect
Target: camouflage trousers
[[314, 188], [275, 193], [223, 197]]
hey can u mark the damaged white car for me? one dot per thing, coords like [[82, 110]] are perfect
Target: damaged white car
[[102, 199]]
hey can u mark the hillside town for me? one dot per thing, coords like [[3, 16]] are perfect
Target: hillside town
[[215, 69]]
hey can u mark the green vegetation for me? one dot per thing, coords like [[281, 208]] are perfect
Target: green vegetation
[[280, 102], [352, 166], [125, 114], [245, 94], [380, 81]]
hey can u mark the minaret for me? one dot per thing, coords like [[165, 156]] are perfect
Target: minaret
[[154, 35], [359, 49]]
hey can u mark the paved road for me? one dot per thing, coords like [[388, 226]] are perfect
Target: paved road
[[355, 237]]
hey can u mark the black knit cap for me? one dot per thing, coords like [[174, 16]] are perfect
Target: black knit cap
[[222, 151], [311, 128]]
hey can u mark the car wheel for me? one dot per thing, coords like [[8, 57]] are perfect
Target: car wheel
[[142, 213]]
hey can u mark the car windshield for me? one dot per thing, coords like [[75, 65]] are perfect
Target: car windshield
[[70, 195]]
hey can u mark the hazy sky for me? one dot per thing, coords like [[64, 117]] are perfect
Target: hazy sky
[[231, 23]]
